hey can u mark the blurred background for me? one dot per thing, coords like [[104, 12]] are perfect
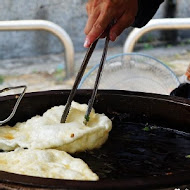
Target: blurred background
[[36, 58]]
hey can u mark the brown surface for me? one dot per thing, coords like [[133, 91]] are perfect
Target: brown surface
[[10, 186]]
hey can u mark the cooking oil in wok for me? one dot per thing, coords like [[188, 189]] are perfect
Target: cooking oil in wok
[[140, 150]]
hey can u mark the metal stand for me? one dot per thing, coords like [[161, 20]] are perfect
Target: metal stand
[[47, 26]]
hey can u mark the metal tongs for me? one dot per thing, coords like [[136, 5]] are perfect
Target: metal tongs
[[79, 77]]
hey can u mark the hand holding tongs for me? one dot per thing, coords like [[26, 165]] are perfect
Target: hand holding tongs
[[79, 77]]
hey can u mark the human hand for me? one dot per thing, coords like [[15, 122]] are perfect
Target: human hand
[[102, 12]]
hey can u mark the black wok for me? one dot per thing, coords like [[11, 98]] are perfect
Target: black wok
[[133, 157]]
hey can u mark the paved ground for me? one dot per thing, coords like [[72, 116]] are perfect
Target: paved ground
[[47, 72]]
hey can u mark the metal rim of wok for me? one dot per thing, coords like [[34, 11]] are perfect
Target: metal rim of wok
[[152, 101]]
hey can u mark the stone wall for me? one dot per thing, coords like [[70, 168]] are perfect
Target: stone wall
[[183, 10], [69, 14]]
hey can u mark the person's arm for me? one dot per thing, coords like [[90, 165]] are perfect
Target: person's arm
[[146, 10]]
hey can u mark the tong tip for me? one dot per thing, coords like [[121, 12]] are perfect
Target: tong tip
[[86, 119]]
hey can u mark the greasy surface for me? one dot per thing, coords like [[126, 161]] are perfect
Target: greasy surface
[[134, 150], [45, 163]]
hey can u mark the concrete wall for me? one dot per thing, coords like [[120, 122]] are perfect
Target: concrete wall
[[69, 14], [183, 10]]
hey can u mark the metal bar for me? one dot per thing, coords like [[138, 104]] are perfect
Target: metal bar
[[16, 104], [155, 24], [47, 26]]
